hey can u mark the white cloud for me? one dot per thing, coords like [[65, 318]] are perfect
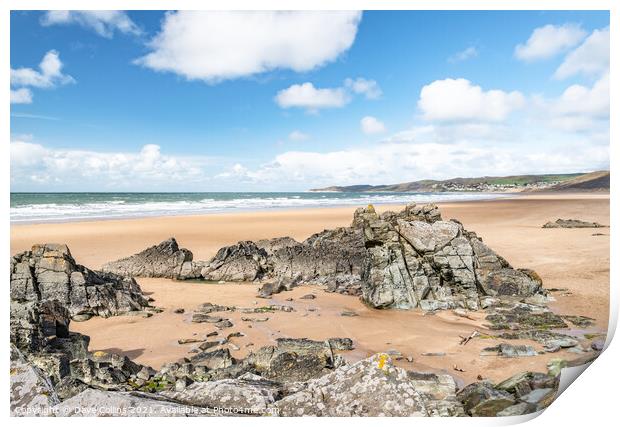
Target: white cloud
[[550, 40], [35, 164], [371, 125], [21, 96], [579, 108], [590, 58], [305, 95], [50, 73], [297, 135], [464, 55], [215, 46], [103, 22], [460, 100], [361, 86], [408, 161]]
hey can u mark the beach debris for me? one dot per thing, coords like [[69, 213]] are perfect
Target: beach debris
[[465, 340], [572, 223], [434, 353], [189, 340], [179, 310], [456, 368], [212, 334]]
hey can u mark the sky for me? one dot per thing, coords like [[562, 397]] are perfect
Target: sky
[[288, 101]]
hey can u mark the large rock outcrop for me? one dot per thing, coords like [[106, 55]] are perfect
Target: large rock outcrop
[[163, 260], [415, 259], [399, 260], [49, 273]]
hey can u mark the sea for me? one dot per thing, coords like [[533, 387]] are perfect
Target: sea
[[70, 207]]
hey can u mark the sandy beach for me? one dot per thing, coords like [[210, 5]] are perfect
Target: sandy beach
[[576, 260]]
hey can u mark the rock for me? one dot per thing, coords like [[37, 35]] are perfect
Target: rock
[[598, 345], [270, 288], [371, 387], [254, 319], [308, 296], [420, 261], [32, 394], [348, 313], [223, 324], [163, 260], [48, 272], [521, 408], [208, 344], [508, 350], [205, 318], [216, 359], [438, 353], [207, 308], [555, 366], [179, 310], [247, 395], [92, 402], [572, 223], [524, 383], [340, 343], [189, 340], [483, 400], [579, 321], [241, 262], [81, 317]]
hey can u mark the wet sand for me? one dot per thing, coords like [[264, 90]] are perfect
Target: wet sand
[[572, 259]]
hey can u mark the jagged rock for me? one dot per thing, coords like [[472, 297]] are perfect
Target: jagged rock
[[371, 387], [205, 318], [216, 359], [483, 400], [521, 408], [270, 288], [93, 402], [572, 223], [246, 395], [438, 392], [579, 321], [48, 272], [223, 324], [163, 260], [421, 261], [32, 394], [508, 350], [241, 262], [523, 383], [522, 316]]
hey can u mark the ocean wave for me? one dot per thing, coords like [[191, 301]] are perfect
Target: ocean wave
[[76, 210]]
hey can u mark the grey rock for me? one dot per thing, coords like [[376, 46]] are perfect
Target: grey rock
[[163, 260], [572, 223], [371, 387], [509, 350], [521, 408], [93, 402], [48, 272], [32, 394], [598, 345], [483, 400], [247, 395], [216, 359]]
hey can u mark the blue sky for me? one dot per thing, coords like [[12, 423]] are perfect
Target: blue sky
[[186, 101]]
